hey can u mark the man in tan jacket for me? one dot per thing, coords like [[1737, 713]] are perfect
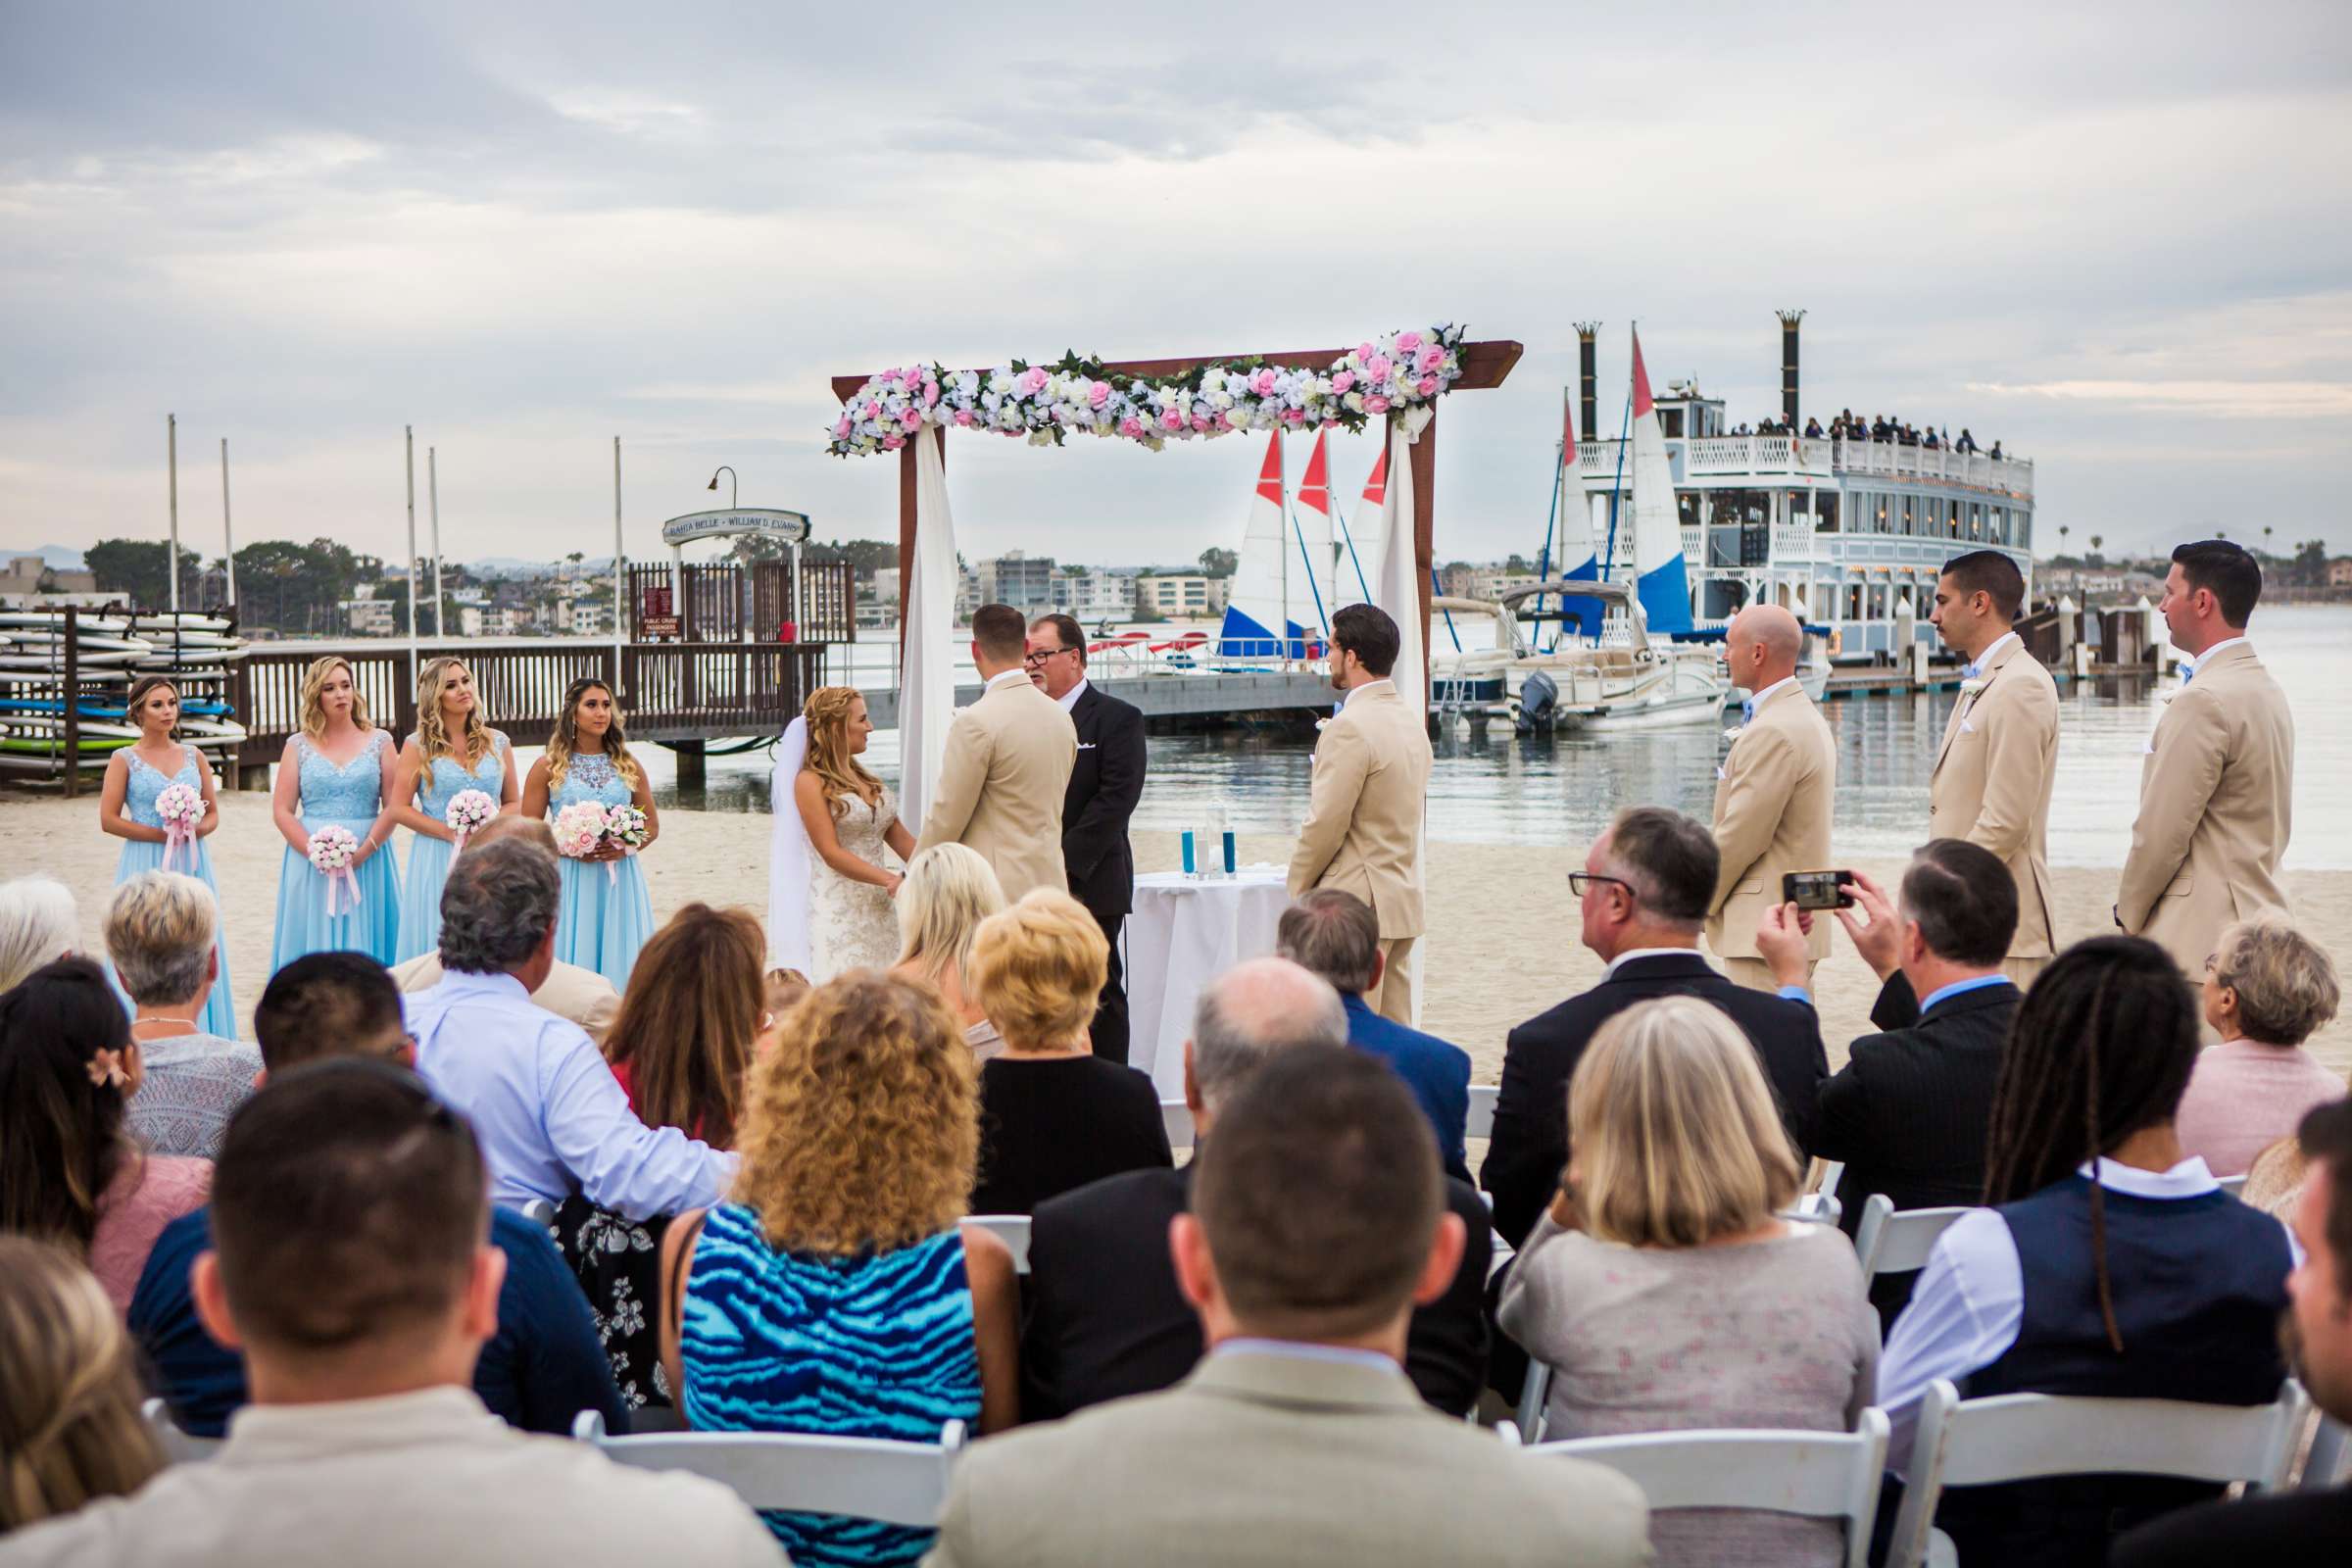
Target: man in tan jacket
[[1998, 761], [1009, 755], [1773, 793], [2216, 783], [1317, 1219], [1367, 797]]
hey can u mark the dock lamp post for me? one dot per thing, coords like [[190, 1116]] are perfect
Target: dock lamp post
[[731, 489]]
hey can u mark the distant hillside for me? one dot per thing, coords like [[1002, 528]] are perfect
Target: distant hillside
[[58, 556]]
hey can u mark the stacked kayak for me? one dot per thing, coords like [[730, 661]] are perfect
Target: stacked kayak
[[110, 652]]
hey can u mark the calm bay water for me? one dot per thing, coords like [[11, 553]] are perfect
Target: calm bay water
[[1562, 791]]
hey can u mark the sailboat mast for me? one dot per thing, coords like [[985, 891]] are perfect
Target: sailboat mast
[[1282, 486]]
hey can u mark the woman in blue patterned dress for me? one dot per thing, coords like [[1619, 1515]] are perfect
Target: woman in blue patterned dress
[[835, 1293], [336, 772], [134, 777], [605, 916], [454, 750]]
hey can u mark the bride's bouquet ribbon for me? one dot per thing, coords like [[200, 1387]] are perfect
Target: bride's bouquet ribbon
[[180, 809], [625, 827], [469, 812], [333, 850]]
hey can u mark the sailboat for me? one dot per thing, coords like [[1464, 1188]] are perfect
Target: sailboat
[[1284, 573], [1619, 678]]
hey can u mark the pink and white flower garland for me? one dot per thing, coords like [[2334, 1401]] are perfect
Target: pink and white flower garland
[[468, 811], [333, 850], [1389, 378], [181, 807]]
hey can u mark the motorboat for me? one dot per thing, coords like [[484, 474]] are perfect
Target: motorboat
[[1624, 680]]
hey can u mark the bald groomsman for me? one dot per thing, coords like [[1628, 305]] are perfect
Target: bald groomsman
[[1366, 797], [1999, 758], [2216, 784], [1773, 795]]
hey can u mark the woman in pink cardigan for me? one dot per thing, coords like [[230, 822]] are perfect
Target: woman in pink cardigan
[[2268, 987]]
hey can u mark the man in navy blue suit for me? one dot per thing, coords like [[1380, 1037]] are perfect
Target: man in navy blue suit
[[1335, 934]]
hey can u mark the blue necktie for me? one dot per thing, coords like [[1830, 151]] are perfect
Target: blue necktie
[[1747, 711], [2189, 672], [1971, 671]]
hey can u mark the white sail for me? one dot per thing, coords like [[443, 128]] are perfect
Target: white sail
[[1663, 580], [1269, 589]]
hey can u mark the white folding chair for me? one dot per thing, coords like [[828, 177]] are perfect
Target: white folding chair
[[1814, 1208], [2234, 1185], [538, 1210], [1818, 1475], [1482, 1110], [1010, 1229], [2330, 1458], [1897, 1241], [1833, 1171], [179, 1445], [2027, 1437], [864, 1478], [1177, 1117], [1532, 1392]]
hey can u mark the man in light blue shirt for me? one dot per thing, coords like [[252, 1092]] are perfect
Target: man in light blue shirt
[[551, 1117]]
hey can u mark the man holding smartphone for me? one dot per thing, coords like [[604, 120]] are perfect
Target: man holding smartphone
[[1998, 761]]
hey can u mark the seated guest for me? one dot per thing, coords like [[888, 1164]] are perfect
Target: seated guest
[[1662, 1288], [1644, 891], [835, 1291], [785, 988], [1908, 1112], [1317, 1223], [38, 925], [159, 932], [2268, 989], [582, 995], [2110, 1264], [551, 1119], [683, 1038], [1333, 934], [1053, 1114], [541, 1367], [948, 891], [351, 1269], [71, 1170], [70, 1424], [2294, 1528], [1105, 1319]]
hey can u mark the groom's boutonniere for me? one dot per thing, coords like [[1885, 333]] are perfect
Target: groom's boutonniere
[[1975, 684], [1734, 732], [1322, 724]]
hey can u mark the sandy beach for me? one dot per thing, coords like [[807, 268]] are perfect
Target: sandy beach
[[1502, 942]]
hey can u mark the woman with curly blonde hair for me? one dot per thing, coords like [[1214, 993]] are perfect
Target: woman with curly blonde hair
[[835, 1292], [338, 772], [605, 916], [71, 1430], [851, 817], [454, 750]]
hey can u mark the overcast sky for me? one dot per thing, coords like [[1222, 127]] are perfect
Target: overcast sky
[[2117, 238]]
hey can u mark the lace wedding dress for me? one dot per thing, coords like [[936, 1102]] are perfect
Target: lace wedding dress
[[852, 925]]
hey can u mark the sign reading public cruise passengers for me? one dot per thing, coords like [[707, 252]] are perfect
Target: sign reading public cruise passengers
[[789, 526]]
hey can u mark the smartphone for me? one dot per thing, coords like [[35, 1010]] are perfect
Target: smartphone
[[1818, 889]]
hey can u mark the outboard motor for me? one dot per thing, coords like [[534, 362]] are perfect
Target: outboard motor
[[1538, 699]]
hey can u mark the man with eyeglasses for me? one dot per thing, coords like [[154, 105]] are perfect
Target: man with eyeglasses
[[1106, 783]]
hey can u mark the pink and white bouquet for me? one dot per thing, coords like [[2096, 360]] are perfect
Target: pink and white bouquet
[[468, 811], [181, 807], [579, 829], [333, 851], [626, 826]]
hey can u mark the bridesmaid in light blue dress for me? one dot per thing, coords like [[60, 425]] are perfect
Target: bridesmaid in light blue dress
[[452, 751], [314, 792], [134, 777], [606, 914]]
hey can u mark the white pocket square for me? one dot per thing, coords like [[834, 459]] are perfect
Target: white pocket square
[[1719, 773], [1967, 727], [2148, 747]]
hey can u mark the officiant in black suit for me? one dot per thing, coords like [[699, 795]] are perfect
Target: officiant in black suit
[[1104, 789]]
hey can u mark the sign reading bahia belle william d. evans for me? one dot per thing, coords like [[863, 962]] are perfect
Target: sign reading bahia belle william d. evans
[[789, 526]]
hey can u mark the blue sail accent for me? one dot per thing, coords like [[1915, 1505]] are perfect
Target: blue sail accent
[[1582, 615], [1665, 594], [1242, 636]]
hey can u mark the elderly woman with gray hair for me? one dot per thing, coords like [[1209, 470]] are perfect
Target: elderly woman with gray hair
[[2268, 989], [38, 925], [160, 931]]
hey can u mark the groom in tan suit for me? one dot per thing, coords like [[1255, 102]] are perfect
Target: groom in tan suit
[[1365, 803], [1008, 761], [2218, 780], [1999, 758], [1773, 793]]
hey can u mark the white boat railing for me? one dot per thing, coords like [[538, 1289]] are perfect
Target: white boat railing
[[1800, 455]]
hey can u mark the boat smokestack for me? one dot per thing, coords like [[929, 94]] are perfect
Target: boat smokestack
[[1789, 321], [1587, 378]]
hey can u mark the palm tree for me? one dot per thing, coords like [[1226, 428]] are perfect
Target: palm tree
[[2062, 533]]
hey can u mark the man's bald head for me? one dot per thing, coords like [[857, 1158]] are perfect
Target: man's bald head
[[510, 825], [1761, 646], [1252, 1012]]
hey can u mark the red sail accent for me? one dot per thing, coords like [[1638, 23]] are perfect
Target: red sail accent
[[1315, 490], [1568, 432], [1269, 477], [1375, 488], [1641, 382]]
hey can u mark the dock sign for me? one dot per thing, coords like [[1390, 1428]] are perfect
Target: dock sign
[[789, 526]]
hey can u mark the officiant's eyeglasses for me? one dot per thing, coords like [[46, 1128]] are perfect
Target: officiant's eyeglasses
[[1580, 883], [1035, 660]]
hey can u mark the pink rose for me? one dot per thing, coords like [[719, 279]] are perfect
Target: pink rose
[[1172, 419], [1098, 394], [1431, 357], [1294, 415], [912, 419], [1225, 419], [1376, 404], [1131, 426], [963, 417], [1033, 381], [1363, 351], [930, 393], [1378, 366], [1406, 342], [1262, 384], [1200, 423], [1427, 386], [893, 441], [888, 378], [1343, 381], [874, 409]]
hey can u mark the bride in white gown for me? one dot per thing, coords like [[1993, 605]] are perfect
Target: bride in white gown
[[846, 817]]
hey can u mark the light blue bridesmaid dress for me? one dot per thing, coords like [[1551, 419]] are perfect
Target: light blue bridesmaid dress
[[220, 1016], [606, 915], [349, 797], [429, 857]]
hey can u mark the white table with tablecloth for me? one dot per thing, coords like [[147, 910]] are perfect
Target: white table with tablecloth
[[1181, 934]]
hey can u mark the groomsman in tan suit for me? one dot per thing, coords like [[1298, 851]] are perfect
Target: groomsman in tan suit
[[1365, 804], [2216, 783], [1773, 793], [1999, 758], [1009, 755]]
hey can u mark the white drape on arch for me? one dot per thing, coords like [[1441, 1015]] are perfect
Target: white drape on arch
[[927, 678], [1397, 591]]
